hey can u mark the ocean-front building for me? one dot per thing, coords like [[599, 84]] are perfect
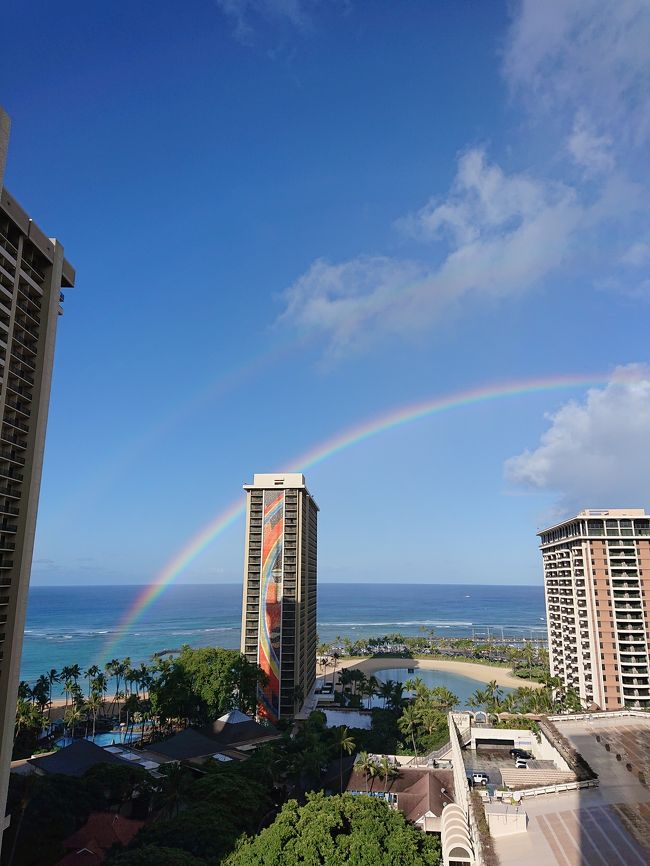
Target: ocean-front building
[[33, 271], [597, 586], [279, 605]]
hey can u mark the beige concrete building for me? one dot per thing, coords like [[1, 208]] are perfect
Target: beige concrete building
[[279, 606], [597, 586], [33, 271]]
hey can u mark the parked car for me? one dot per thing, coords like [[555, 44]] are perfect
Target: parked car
[[520, 764], [480, 778], [520, 753]]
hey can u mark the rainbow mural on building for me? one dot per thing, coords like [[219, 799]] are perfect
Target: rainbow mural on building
[[270, 629]]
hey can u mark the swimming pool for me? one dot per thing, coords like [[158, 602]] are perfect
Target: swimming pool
[[348, 718], [111, 738]]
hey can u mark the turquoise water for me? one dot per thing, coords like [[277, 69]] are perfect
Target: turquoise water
[[79, 625], [459, 685], [111, 738]]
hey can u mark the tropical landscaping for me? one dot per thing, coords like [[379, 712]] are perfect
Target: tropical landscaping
[[271, 805], [193, 687], [527, 659]]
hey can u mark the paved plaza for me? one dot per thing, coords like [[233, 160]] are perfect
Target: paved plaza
[[604, 826]]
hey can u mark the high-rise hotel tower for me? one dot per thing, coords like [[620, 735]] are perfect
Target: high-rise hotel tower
[[597, 584], [279, 606], [32, 273]]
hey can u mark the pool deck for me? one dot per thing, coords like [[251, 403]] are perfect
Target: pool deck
[[482, 673]]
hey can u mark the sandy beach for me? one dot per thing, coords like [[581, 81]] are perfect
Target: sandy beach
[[58, 707], [482, 673]]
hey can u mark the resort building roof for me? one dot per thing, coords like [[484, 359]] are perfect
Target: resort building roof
[[183, 746], [420, 794], [236, 728], [91, 843], [75, 759]]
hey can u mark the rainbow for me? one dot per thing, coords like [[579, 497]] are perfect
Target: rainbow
[[340, 442]]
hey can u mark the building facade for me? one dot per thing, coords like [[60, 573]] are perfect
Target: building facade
[[279, 604], [597, 587], [33, 271]]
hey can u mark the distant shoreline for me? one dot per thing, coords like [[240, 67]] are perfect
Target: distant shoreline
[[472, 670]]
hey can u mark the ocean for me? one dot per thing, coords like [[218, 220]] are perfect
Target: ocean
[[71, 624]]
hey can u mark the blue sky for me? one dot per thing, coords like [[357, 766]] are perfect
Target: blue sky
[[288, 216]]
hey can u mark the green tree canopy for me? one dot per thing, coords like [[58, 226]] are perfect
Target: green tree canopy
[[340, 831], [153, 854], [201, 684]]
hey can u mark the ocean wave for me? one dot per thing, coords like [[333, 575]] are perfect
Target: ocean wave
[[439, 622], [203, 631]]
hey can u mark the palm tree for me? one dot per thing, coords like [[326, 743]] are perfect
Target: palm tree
[[41, 692], [445, 698], [72, 718], [24, 691], [27, 716], [398, 696], [363, 763], [93, 706], [371, 687], [408, 724], [335, 660], [100, 685], [386, 691], [478, 699], [131, 706], [528, 654], [92, 672], [344, 743], [52, 677], [494, 695], [387, 771]]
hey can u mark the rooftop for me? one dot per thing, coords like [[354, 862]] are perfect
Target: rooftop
[[75, 760]]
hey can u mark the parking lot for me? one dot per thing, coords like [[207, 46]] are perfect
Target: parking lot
[[491, 761]]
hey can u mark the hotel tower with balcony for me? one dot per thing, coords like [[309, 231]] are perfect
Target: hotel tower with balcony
[[279, 605], [33, 271], [597, 586]]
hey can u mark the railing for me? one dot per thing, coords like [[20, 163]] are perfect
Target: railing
[[8, 245], [556, 789], [606, 714]]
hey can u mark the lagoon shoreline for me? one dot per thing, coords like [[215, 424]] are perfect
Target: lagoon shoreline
[[480, 672]]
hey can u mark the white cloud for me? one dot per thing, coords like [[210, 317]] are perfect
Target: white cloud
[[590, 151], [503, 233], [595, 453], [637, 254], [585, 55], [243, 11]]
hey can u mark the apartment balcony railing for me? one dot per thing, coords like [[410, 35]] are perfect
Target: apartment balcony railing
[[9, 247], [13, 422], [10, 454], [32, 272]]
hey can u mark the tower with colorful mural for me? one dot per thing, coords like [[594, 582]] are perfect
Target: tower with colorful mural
[[279, 604]]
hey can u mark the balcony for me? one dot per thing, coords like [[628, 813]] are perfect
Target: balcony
[[20, 373], [8, 491], [13, 456], [32, 310], [13, 422]]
